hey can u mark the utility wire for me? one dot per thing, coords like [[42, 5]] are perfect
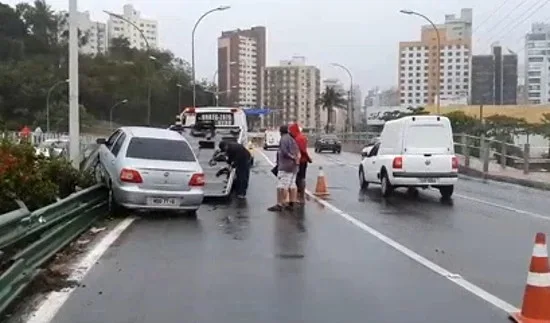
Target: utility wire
[[489, 17], [506, 16], [518, 22]]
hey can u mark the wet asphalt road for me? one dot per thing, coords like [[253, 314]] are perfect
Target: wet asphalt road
[[239, 263]]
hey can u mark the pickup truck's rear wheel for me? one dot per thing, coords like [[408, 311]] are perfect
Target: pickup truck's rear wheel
[[362, 182], [385, 186], [446, 191]]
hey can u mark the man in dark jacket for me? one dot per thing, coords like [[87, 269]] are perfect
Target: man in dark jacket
[[239, 158]]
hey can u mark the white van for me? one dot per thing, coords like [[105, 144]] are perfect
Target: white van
[[222, 116], [272, 139], [414, 151]]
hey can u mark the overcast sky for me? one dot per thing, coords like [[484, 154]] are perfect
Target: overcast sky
[[360, 34]]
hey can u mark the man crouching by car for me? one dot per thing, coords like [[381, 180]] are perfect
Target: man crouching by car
[[238, 157], [301, 141]]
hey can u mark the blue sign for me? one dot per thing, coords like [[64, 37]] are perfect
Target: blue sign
[[257, 112]]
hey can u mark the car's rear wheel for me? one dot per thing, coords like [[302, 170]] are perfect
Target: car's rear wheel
[[446, 191], [385, 186], [362, 182], [115, 209]]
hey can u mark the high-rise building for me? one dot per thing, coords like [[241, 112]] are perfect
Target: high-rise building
[[335, 84], [119, 28], [241, 61], [292, 89], [93, 34], [537, 64], [494, 78], [418, 62]]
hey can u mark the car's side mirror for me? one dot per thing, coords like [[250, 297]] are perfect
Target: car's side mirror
[[101, 141]]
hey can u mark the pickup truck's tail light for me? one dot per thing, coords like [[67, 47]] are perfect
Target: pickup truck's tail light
[[397, 162], [130, 176], [454, 162], [197, 180], [234, 110]]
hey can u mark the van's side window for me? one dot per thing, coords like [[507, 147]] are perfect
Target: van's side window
[[374, 150]]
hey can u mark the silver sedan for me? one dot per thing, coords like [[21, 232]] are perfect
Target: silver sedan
[[150, 169]]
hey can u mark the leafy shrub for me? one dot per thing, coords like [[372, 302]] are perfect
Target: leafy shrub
[[35, 180]]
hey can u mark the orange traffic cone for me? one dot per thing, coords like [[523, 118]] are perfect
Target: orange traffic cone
[[321, 189], [536, 301]]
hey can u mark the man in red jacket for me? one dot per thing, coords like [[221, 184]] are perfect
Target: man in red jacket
[[301, 141]]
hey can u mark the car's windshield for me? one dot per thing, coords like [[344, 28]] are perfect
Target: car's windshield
[[159, 149]]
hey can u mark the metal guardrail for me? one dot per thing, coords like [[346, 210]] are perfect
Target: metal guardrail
[[30, 239]]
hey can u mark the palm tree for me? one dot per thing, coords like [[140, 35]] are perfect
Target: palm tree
[[331, 98]]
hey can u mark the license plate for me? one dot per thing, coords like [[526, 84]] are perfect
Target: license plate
[[428, 180], [163, 201]]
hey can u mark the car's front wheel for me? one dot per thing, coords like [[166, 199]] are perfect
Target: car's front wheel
[[362, 182]]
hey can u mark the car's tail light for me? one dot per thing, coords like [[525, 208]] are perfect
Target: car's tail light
[[130, 176], [197, 180], [397, 162], [454, 162]]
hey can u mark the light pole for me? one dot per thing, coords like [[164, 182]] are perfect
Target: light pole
[[111, 112], [350, 101], [147, 66], [220, 8], [438, 56], [74, 118], [48, 103]]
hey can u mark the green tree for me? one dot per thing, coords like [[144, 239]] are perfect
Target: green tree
[[463, 123], [331, 98]]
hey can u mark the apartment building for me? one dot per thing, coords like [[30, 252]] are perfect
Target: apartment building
[[418, 66], [494, 78], [292, 89], [241, 62], [93, 34], [537, 64], [121, 28]]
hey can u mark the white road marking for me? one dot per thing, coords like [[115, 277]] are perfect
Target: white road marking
[[455, 278], [47, 310], [474, 199]]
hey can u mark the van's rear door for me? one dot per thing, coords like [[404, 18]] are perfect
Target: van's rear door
[[428, 150]]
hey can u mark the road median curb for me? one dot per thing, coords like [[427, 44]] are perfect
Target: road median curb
[[505, 179]]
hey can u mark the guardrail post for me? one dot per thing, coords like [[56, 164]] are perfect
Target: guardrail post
[[503, 154], [484, 154], [526, 153], [465, 149]]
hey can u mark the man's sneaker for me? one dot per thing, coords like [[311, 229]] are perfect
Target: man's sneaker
[[275, 208]]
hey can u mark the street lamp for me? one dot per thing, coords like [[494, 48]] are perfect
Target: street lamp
[[111, 112], [150, 57], [438, 56], [350, 101], [220, 8], [48, 103]]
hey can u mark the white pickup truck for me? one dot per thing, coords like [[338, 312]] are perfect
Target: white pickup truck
[[413, 151]]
